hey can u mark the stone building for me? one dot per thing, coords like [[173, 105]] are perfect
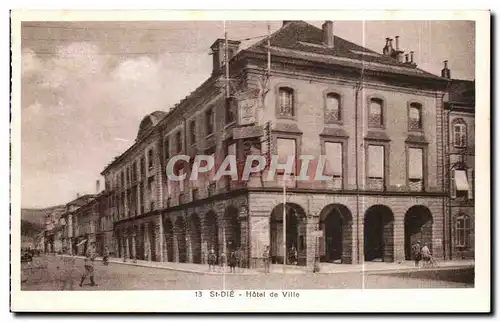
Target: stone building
[[377, 117], [459, 156]]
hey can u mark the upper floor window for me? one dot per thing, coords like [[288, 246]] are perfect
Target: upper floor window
[[134, 171], [463, 231], [178, 142], [150, 159], [333, 152], [460, 134], [376, 161], [286, 102], [332, 108], [462, 183], [286, 149], [230, 108], [192, 132], [142, 168], [122, 179], [416, 168], [209, 121], [415, 116], [376, 112]]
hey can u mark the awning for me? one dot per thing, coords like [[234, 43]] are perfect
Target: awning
[[461, 182], [83, 241]]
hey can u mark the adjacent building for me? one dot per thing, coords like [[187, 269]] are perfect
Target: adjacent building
[[379, 119]]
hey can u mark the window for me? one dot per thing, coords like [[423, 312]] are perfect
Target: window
[[134, 171], [286, 102], [195, 195], [230, 109], [166, 149], [209, 121], [460, 134], [376, 162], [122, 179], [332, 108], [150, 159], [376, 113], [192, 132], [286, 148], [142, 169], [463, 231], [415, 160], [415, 116], [461, 183], [178, 142], [333, 166]]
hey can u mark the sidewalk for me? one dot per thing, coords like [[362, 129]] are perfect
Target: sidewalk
[[325, 268]]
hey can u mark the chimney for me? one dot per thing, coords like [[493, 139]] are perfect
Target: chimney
[[397, 42], [97, 186], [406, 59], [328, 33], [411, 57], [445, 72], [218, 52], [385, 50]]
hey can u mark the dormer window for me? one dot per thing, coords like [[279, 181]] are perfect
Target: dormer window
[[332, 108]]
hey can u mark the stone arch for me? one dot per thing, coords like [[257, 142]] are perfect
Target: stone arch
[[195, 237], [211, 228], [296, 233], [418, 227], [337, 225], [232, 229], [379, 234]]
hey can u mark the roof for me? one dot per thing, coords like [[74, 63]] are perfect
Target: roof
[[149, 121], [462, 92], [81, 201], [306, 40]]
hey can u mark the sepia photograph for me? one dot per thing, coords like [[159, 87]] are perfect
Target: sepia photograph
[[247, 158]]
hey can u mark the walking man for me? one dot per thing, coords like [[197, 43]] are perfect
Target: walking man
[[416, 253], [212, 258], [105, 256], [265, 256], [89, 266]]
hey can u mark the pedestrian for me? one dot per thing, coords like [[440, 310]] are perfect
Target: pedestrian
[[234, 260], [417, 253], [212, 259], [426, 255], [105, 256], [293, 255], [89, 266], [265, 257], [222, 261]]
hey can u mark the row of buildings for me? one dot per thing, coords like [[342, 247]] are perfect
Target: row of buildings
[[399, 143]]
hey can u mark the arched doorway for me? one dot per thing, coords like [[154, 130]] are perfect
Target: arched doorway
[[232, 229], [169, 239], [336, 244], [195, 234], [212, 232], [139, 243], [295, 233], [379, 233], [418, 227], [180, 233]]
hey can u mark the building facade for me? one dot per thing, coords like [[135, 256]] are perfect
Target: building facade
[[378, 118], [460, 154]]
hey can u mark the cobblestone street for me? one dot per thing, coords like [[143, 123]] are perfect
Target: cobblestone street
[[58, 273]]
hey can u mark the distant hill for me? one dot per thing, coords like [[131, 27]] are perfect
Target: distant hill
[[37, 216]]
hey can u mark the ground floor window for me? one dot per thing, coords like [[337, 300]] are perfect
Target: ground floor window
[[463, 232]]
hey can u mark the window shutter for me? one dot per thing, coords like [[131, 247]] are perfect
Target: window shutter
[[470, 178], [334, 159], [453, 188], [416, 163], [376, 160]]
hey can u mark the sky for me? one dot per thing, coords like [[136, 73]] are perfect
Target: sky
[[87, 85]]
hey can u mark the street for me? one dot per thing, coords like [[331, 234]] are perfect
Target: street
[[60, 273]]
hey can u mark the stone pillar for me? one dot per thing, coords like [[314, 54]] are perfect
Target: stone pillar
[[134, 255], [127, 248], [245, 237], [259, 237], [159, 239], [147, 242], [189, 248], [176, 245], [399, 238], [312, 224]]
